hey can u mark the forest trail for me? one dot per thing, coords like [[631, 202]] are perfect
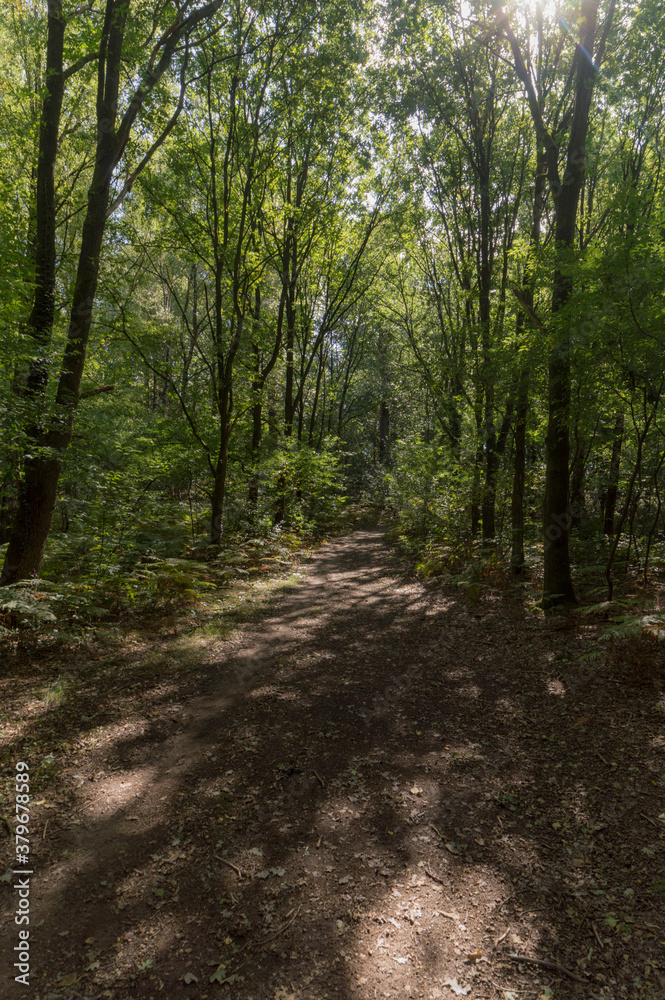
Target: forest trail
[[378, 790]]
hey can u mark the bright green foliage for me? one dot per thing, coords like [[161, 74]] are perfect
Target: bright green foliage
[[331, 283]]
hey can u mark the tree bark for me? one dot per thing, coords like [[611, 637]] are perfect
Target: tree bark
[[517, 499], [557, 579], [613, 482], [384, 433], [42, 315], [37, 494], [522, 408], [221, 469]]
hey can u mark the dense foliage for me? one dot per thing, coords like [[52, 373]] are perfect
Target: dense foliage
[[263, 259]]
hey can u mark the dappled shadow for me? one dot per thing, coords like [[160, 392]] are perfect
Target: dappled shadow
[[383, 792]]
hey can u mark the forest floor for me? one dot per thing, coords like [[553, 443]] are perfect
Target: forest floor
[[370, 788]]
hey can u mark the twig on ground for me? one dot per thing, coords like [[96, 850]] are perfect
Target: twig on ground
[[500, 939], [504, 989], [320, 779], [437, 832], [435, 877], [44, 833], [230, 864], [598, 937], [281, 929], [552, 966], [648, 819]]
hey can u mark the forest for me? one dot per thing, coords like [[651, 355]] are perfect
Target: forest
[[332, 475], [261, 262]]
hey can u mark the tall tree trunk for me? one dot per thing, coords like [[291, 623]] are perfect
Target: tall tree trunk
[[491, 471], [257, 427], [384, 409], [577, 473], [219, 483], [557, 579], [613, 481], [488, 503], [625, 510], [317, 392], [38, 490], [517, 500], [42, 315], [384, 433], [37, 496], [522, 409]]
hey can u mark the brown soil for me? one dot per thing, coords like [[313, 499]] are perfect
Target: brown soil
[[377, 790]]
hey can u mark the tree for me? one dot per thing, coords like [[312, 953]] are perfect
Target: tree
[[115, 47], [569, 125]]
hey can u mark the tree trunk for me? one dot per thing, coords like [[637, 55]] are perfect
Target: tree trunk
[[488, 503], [491, 471], [257, 427], [517, 500], [38, 493], [40, 322], [219, 492], [384, 433], [317, 392], [577, 471], [613, 482], [522, 409], [557, 581], [39, 487]]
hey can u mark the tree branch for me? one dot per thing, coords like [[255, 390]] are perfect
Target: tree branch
[[95, 392]]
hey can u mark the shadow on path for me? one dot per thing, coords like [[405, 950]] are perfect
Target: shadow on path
[[383, 792]]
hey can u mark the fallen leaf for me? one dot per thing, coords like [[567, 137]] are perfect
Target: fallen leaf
[[219, 975], [189, 977], [416, 791], [69, 979], [457, 988]]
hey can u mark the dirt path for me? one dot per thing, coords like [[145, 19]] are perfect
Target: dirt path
[[381, 792]]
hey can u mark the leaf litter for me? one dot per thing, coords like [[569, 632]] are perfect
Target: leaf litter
[[337, 746]]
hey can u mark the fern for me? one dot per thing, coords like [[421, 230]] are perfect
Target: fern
[[628, 626], [24, 603]]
